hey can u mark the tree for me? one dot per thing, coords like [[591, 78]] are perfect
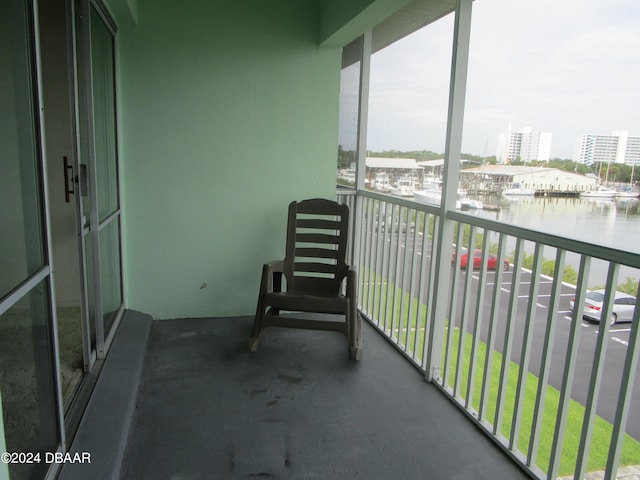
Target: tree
[[568, 166], [345, 157]]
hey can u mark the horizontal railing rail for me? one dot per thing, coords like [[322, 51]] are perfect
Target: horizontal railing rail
[[553, 390], [596, 251]]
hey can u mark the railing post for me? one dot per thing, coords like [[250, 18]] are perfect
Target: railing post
[[453, 149]]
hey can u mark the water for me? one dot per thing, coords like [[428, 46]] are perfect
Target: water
[[608, 223]]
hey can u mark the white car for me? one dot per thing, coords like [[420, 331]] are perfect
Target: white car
[[623, 306]]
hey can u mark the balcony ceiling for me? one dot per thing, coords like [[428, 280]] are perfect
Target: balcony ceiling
[[390, 20], [409, 19]]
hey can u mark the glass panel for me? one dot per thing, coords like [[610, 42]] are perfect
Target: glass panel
[[110, 273], [70, 350], [91, 296], [84, 125], [408, 104], [348, 121], [21, 240], [27, 381], [102, 57]]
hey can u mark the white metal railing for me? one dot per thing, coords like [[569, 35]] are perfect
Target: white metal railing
[[535, 377]]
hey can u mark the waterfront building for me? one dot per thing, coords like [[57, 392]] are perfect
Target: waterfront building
[[618, 147], [495, 178], [632, 152], [524, 144]]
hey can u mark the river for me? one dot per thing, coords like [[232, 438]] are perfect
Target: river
[[609, 223]]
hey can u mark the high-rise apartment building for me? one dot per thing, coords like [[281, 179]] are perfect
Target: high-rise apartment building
[[618, 147], [632, 152], [525, 144]]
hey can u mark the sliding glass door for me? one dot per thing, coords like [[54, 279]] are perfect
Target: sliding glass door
[[30, 373], [31, 400], [97, 163]]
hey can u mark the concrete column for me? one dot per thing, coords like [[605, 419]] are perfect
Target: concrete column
[[361, 145]]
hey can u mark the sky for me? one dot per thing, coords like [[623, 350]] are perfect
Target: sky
[[567, 67]]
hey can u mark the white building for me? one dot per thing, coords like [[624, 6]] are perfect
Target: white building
[[618, 147], [525, 144], [541, 179]]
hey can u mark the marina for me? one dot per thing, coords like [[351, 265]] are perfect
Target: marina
[[405, 176], [548, 200], [608, 222]]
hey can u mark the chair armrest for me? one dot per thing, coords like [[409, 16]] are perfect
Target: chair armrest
[[274, 266], [272, 276]]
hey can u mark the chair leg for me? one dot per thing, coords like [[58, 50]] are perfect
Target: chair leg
[[271, 281], [354, 320], [256, 332], [354, 326], [355, 353], [252, 344]]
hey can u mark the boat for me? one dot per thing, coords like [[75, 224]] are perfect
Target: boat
[[404, 187], [431, 194], [518, 189], [381, 182], [471, 204], [600, 192], [627, 193]]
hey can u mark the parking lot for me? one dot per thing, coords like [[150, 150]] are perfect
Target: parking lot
[[615, 345]]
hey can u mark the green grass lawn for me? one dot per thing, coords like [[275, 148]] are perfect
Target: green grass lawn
[[403, 318], [602, 429]]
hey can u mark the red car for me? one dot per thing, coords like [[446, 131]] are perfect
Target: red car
[[492, 260]]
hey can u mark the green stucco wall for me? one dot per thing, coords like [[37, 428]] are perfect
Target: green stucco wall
[[228, 111]]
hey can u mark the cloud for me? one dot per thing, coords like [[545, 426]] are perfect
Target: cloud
[[568, 67]]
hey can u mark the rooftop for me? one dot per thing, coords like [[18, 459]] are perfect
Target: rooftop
[[380, 162], [508, 169]]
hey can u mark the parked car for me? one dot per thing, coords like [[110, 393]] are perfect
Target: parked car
[[623, 306], [381, 226], [492, 260]]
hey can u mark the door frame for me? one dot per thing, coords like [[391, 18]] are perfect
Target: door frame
[[44, 275], [88, 222]]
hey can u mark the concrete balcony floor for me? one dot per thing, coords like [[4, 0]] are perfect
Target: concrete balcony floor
[[298, 408]]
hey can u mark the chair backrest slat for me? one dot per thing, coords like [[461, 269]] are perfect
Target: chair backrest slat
[[317, 232], [317, 238], [313, 267], [318, 223], [317, 253]]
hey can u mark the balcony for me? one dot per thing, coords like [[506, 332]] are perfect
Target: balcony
[[297, 408], [551, 393], [200, 406]]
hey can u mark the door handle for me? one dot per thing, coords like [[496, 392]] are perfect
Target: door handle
[[68, 188]]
